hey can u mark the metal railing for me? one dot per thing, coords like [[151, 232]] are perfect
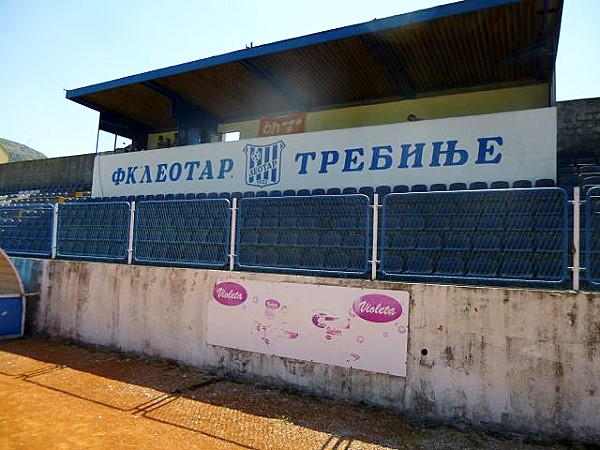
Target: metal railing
[[508, 236], [313, 234], [97, 231], [514, 236], [192, 233], [26, 230]]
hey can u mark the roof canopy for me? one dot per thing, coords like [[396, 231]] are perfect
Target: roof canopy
[[465, 46]]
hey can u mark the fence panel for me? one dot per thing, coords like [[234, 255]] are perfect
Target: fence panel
[[592, 236], [193, 233], [316, 234], [515, 236], [26, 230], [93, 230]]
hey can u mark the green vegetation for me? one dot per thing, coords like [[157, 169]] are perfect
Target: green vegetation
[[11, 151]]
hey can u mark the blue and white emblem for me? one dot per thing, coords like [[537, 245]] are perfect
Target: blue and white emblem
[[263, 164]]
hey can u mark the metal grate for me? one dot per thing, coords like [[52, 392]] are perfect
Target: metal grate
[[191, 233], [592, 236], [319, 234], [26, 230], [93, 230], [516, 236]]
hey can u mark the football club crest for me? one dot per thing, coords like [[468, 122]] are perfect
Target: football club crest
[[263, 164]]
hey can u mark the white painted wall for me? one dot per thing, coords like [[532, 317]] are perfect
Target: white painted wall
[[525, 360]]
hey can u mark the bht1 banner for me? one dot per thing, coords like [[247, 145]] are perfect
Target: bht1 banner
[[506, 146]]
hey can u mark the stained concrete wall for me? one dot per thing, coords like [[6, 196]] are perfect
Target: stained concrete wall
[[523, 360], [578, 124], [47, 172]]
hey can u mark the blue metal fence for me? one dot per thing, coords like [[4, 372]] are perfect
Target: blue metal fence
[[26, 230], [192, 233], [96, 231], [592, 236], [514, 236], [317, 234]]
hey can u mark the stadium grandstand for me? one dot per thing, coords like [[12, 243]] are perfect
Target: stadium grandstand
[[426, 147], [365, 112]]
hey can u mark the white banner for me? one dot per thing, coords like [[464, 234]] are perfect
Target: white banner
[[341, 326], [506, 146]]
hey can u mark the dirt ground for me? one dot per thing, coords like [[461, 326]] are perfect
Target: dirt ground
[[61, 396]]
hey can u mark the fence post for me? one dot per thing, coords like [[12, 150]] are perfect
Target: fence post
[[576, 209], [54, 231], [375, 236], [130, 237], [232, 233]]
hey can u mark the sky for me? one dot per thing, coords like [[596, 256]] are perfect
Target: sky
[[49, 46]]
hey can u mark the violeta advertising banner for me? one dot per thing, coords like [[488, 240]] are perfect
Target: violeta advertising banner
[[506, 146], [341, 326]]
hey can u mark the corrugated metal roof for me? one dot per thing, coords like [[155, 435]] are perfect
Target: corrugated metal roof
[[462, 46]]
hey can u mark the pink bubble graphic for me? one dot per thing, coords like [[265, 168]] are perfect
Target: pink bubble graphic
[[377, 308], [360, 339], [385, 334], [401, 329], [271, 303], [229, 293]]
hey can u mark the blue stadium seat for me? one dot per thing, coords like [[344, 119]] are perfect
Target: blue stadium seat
[[500, 185], [400, 189], [478, 185], [464, 223], [288, 238], [482, 267], [275, 193], [548, 222], [487, 243], [519, 222], [318, 191], [248, 194], [450, 266], [312, 259], [458, 241], [522, 184], [519, 242], [519, 268], [438, 222], [289, 192], [393, 264], [491, 222], [418, 188], [549, 242], [429, 241], [366, 190], [545, 182], [336, 261], [345, 191], [330, 238], [262, 194], [303, 192], [551, 268], [419, 265], [190, 196], [201, 196], [236, 194], [289, 258], [383, 190], [436, 187], [402, 241], [457, 186]]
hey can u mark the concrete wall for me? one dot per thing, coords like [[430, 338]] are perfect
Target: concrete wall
[[47, 172], [522, 360], [578, 124]]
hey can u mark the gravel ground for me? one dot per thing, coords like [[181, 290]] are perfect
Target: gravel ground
[[61, 396]]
